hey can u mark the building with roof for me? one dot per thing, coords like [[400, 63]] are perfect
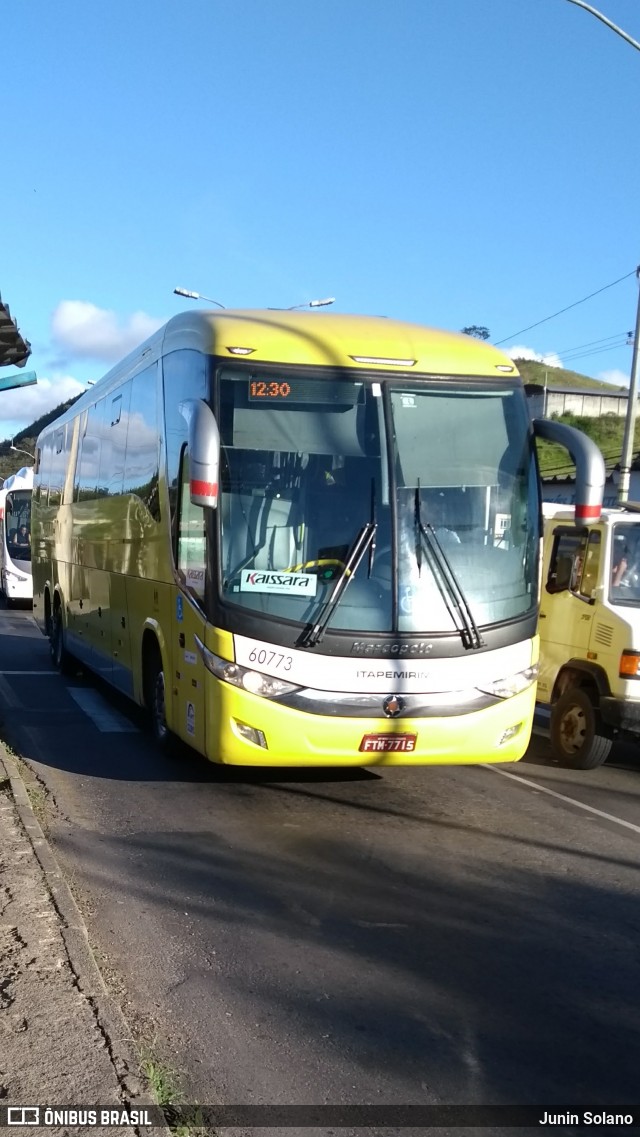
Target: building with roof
[[588, 401], [14, 348]]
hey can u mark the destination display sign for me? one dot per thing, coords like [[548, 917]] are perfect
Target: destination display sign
[[322, 392]]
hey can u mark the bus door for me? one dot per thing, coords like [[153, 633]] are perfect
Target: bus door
[[99, 623], [122, 674], [188, 619], [3, 530]]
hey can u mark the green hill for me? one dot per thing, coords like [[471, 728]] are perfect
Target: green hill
[[607, 432], [25, 440], [541, 373]]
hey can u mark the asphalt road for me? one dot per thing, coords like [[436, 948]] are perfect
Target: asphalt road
[[458, 935]]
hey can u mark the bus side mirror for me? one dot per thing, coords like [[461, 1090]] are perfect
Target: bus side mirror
[[204, 452]]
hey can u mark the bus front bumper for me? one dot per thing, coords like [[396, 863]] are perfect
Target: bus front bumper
[[252, 731], [18, 588]]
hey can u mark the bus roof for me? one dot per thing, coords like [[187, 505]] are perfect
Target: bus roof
[[334, 339], [21, 480], [321, 339]]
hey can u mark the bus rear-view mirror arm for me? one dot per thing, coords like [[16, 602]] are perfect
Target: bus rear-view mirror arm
[[590, 469], [204, 452]]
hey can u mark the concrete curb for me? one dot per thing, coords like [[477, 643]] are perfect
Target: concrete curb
[[109, 1018]]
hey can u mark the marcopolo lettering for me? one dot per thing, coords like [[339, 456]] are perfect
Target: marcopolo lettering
[[399, 648]]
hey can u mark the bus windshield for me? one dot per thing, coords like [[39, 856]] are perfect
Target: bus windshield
[[307, 462], [18, 525]]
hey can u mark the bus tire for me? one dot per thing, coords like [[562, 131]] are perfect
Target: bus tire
[[59, 655], [156, 702], [579, 738]]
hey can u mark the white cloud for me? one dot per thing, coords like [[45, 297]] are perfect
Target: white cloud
[[85, 331], [617, 377], [24, 405], [519, 351]]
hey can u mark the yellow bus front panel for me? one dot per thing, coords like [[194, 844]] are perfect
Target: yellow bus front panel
[[498, 733]]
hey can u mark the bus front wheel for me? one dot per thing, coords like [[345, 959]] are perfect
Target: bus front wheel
[[579, 738], [157, 703]]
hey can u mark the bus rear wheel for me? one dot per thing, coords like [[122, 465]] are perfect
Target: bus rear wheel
[[579, 738], [59, 654]]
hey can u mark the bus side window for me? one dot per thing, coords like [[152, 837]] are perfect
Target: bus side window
[[192, 543], [41, 485], [58, 465]]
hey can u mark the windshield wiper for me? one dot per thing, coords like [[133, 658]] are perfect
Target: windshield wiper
[[365, 539], [448, 585], [372, 543]]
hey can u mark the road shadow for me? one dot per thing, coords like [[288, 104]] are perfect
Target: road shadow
[[459, 973]]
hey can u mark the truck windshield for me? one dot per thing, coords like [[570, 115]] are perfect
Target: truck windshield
[[625, 565], [308, 461]]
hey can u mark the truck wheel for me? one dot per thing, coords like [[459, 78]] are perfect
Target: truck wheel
[[579, 739]]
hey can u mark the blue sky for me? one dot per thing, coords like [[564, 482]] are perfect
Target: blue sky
[[450, 162]]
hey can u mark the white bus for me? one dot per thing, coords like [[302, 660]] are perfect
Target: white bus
[[15, 536]]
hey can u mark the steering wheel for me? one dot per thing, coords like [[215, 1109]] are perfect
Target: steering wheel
[[328, 568]]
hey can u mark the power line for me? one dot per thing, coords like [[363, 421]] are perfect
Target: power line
[[593, 343], [572, 356], [569, 306]]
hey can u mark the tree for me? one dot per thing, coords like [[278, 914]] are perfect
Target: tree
[[478, 331]]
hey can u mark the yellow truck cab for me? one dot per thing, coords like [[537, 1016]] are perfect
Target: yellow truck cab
[[589, 676]]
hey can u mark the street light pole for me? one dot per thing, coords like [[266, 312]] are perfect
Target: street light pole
[[196, 296], [630, 421], [599, 16], [19, 451]]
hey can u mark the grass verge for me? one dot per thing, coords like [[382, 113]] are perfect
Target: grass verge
[[164, 1084]]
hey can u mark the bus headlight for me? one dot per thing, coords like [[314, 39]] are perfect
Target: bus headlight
[[267, 686], [512, 684]]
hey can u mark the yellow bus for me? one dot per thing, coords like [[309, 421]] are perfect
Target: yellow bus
[[302, 538]]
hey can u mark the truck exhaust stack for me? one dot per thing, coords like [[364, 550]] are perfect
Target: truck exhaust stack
[[590, 470]]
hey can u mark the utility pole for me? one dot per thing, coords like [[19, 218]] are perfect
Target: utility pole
[[630, 421]]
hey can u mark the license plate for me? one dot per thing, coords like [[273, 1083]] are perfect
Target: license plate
[[378, 743]]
